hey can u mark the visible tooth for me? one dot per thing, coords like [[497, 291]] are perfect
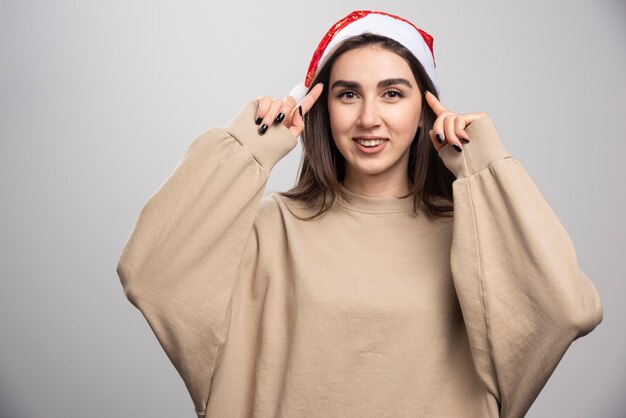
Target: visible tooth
[[370, 142]]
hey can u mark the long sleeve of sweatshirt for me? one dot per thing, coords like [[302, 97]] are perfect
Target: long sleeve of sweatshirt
[[263, 314], [179, 264], [523, 296]]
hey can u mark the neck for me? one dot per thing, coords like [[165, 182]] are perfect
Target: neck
[[375, 186]]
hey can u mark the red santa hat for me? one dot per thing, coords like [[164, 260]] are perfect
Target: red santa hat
[[406, 33]]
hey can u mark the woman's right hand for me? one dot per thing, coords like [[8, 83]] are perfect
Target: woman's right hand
[[285, 111]]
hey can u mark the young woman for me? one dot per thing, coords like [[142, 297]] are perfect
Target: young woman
[[415, 270]]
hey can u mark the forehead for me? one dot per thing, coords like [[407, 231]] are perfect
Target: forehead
[[371, 63]]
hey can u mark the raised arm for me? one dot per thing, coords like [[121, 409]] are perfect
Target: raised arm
[[523, 296], [180, 262]]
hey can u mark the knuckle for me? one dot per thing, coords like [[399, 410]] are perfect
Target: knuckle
[[288, 104], [263, 103]]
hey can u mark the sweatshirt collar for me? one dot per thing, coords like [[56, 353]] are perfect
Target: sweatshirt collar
[[368, 204]]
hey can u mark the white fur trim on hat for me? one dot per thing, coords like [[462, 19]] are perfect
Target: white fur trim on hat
[[298, 92], [379, 23]]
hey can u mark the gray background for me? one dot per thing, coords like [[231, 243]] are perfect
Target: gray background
[[101, 99]]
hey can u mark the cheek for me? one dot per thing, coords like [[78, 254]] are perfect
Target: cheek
[[405, 123], [405, 126], [340, 119]]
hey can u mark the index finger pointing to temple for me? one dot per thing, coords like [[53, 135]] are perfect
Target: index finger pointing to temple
[[309, 100], [434, 103]]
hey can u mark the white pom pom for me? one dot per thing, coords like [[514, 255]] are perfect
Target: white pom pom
[[298, 92]]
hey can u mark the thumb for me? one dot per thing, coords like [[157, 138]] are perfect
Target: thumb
[[297, 122]]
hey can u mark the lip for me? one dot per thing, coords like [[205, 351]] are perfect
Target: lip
[[370, 150], [369, 137]]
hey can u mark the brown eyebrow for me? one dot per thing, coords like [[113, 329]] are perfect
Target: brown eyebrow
[[381, 84]]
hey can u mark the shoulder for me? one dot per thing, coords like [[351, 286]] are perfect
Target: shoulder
[[275, 204], [270, 206], [276, 207], [274, 216]]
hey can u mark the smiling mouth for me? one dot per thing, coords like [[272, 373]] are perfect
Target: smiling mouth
[[370, 143], [370, 146]]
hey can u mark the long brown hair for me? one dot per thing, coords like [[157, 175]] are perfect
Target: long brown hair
[[322, 167]]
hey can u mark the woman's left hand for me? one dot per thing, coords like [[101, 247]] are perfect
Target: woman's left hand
[[449, 127]]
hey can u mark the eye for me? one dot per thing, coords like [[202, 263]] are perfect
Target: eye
[[347, 94], [394, 93]]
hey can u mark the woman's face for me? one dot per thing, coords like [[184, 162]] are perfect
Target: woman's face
[[373, 94]]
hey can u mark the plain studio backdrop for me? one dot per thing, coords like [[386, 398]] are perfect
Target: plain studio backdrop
[[100, 100]]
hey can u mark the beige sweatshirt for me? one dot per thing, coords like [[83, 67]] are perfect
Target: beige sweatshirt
[[368, 311]]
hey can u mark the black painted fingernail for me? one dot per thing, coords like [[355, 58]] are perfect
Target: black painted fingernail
[[280, 117], [258, 121], [439, 138], [263, 129], [300, 110], [457, 148]]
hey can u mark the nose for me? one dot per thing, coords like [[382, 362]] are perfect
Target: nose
[[370, 114]]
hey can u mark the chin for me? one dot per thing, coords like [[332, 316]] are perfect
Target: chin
[[371, 169]]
